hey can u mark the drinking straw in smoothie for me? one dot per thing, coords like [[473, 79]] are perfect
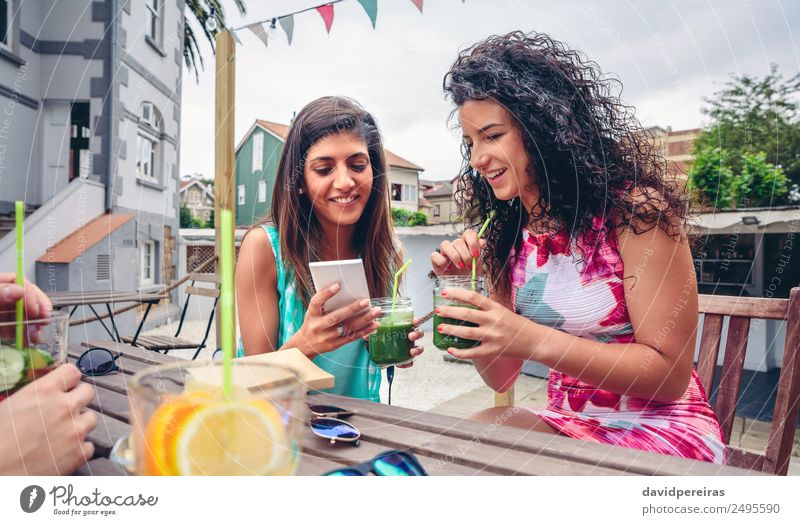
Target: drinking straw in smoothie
[[226, 299], [397, 280], [20, 217], [480, 234]]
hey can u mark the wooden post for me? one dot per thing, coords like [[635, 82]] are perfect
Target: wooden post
[[224, 176], [506, 399]]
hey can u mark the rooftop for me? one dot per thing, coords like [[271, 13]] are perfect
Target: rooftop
[[82, 239]]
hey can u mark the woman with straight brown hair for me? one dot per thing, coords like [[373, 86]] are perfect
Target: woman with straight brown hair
[[330, 202]]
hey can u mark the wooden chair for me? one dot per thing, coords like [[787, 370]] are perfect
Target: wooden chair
[[784, 418], [167, 343]]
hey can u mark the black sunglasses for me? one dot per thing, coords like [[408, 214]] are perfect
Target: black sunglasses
[[392, 463], [98, 361]]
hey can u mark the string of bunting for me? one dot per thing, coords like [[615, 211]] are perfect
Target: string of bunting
[[264, 29]]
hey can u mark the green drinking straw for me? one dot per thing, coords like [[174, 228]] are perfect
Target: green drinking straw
[[226, 299], [396, 281], [480, 234], [20, 217]]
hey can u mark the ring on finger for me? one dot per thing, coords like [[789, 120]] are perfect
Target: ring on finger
[[340, 329]]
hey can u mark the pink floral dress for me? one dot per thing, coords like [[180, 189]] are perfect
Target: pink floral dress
[[582, 294]]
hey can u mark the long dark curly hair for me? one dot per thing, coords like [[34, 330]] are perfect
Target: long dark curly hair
[[589, 155]]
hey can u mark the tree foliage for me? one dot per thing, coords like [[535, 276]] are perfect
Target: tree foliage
[[401, 217], [187, 220], [751, 115], [711, 177], [200, 12], [759, 183]]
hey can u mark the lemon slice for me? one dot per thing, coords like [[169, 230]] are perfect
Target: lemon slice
[[237, 438]]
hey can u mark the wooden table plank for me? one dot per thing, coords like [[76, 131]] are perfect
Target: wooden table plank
[[106, 434], [621, 459], [347, 454], [444, 452], [314, 466]]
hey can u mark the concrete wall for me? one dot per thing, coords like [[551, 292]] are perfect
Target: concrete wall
[[55, 55], [79, 204]]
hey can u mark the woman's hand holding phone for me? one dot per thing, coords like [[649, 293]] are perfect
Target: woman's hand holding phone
[[325, 331], [455, 258]]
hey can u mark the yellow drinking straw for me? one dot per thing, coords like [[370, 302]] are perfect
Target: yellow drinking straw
[[480, 234], [20, 217], [226, 299], [396, 281]]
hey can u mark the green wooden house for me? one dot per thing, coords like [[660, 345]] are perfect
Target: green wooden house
[[257, 157]]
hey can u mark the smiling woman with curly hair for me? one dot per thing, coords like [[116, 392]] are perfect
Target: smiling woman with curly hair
[[587, 256]]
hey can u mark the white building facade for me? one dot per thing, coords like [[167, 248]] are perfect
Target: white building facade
[[89, 125]]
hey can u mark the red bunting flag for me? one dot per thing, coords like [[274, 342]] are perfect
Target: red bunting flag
[[326, 12], [418, 3]]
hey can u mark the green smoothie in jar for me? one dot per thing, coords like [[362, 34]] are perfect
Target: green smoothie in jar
[[390, 344], [445, 341]]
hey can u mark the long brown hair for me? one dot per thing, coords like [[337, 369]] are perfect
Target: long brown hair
[[292, 213]]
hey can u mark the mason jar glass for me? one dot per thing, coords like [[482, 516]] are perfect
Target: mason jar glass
[[30, 350], [390, 345], [443, 282]]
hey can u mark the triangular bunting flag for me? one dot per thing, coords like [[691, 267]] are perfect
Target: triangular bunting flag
[[326, 12], [287, 24], [260, 32], [418, 3], [235, 36], [371, 7]]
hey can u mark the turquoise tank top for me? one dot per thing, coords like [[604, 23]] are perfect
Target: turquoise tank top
[[356, 374]]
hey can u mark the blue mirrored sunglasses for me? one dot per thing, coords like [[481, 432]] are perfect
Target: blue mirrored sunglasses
[[392, 463]]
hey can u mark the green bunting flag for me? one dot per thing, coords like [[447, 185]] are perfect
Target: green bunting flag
[[287, 24], [371, 7], [326, 12]]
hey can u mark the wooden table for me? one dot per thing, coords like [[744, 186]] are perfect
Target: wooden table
[[107, 297], [444, 445]]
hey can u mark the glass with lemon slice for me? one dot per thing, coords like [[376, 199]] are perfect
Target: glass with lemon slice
[[184, 423]]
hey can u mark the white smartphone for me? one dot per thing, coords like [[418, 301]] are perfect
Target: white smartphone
[[348, 273]]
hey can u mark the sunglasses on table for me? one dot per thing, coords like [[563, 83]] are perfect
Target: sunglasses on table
[[327, 422], [98, 361], [392, 463]]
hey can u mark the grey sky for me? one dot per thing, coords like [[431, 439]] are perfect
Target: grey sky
[[669, 55]]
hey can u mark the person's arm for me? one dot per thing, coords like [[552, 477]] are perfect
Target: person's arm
[[259, 315], [661, 297], [257, 294], [43, 426]]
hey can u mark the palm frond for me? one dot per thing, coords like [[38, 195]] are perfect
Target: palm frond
[[200, 11]]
